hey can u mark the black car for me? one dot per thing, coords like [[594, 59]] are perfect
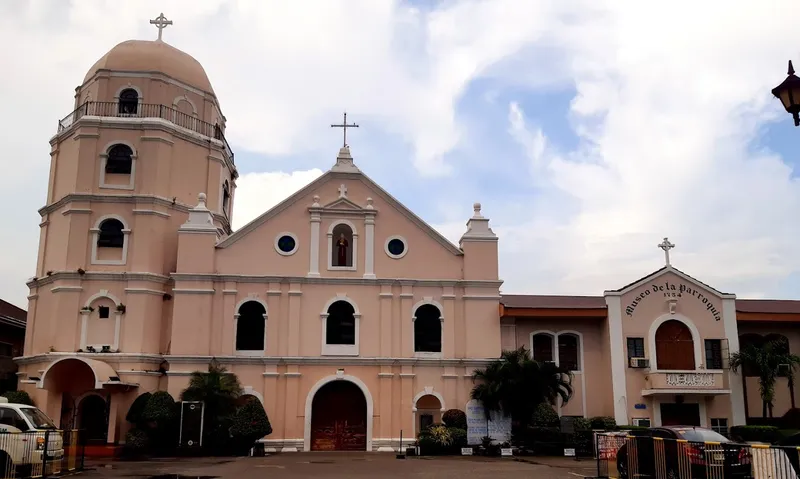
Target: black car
[[692, 456]]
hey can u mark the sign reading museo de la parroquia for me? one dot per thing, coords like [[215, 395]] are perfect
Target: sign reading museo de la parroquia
[[672, 290]]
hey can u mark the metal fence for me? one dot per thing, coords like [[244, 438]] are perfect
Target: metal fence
[[40, 453], [623, 457]]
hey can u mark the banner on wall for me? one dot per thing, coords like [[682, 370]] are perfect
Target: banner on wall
[[497, 427]]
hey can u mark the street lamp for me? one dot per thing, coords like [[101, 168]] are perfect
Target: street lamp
[[788, 93]]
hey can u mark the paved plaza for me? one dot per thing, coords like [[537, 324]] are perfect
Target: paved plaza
[[339, 465]]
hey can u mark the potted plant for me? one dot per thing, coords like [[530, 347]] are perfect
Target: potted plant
[[121, 308], [87, 309]]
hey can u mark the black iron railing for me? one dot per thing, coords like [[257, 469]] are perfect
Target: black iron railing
[[145, 110]]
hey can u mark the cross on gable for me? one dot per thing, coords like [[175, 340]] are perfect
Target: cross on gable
[[161, 23], [344, 126], [342, 191], [666, 246]]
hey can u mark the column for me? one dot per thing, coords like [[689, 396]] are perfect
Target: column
[[734, 380], [313, 267], [271, 393], [385, 300], [448, 322], [618, 367], [385, 431], [369, 247], [294, 318], [293, 429], [406, 397], [275, 326], [406, 325]]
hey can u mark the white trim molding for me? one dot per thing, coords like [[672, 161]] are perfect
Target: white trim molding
[[250, 352], [340, 349], [369, 256], [427, 391], [386, 246], [738, 416], [104, 160], [619, 369], [290, 235], [354, 246], [125, 241], [696, 340], [314, 221], [427, 301], [310, 402]]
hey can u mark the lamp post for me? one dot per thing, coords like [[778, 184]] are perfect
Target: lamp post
[[788, 93]]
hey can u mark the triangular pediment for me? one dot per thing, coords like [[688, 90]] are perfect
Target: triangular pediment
[[667, 271], [342, 204]]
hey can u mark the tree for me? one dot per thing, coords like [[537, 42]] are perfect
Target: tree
[[218, 390], [516, 384], [763, 361], [250, 423]]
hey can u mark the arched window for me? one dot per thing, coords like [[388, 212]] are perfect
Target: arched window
[[119, 160], [111, 234], [342, 246], [674, 346], [341, 324], [251, 324], [226, 197], [128, 102], [542, 347], [569, 351], [427, 329]]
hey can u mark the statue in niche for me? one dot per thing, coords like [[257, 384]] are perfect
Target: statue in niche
[[341, 246]]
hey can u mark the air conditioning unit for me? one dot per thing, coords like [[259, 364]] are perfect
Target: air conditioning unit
[[643, 422], [639, 363]]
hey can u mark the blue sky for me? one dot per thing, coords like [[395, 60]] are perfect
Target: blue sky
[[586, 129]]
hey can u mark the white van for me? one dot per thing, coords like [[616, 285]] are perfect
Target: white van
[[22, 437]]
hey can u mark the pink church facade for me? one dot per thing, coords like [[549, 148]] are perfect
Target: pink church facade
[[338, 305]]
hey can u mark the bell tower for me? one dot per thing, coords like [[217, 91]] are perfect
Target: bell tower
[[146, 136]]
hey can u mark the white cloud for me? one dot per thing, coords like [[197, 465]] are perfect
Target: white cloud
[[258, 192], [668, 98]]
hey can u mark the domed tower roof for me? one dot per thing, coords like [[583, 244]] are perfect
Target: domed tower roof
[[153, 56]]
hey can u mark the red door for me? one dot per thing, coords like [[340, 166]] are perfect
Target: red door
[[674, 347], [339, 418]]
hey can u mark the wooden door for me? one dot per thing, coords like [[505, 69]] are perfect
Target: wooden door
[[686, 414], [674, 347], [339, 418]]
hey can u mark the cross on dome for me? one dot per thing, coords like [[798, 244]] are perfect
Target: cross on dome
[[666, 246], [161, 23]]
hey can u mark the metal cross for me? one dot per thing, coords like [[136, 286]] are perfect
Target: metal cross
[[666, 246], [161, 23], [342, 191], [344, 126]]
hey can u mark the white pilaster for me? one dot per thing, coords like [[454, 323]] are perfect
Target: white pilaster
[[734, 380], [618, 367], [313, 267], [84, 328], [117, 327], [369, 239]]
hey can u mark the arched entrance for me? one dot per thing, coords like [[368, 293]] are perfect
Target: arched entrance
[[339, 418], [93, 418], [674, 346]]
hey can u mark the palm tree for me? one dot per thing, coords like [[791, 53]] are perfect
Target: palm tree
[[219, 390], [763, 361], [516, 384]]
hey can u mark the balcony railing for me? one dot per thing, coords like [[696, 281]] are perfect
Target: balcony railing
[[146, 110]]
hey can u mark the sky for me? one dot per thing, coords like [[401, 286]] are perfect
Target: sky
[[588, 129]]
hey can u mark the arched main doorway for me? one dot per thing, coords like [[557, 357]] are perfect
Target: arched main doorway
[[674, 346], [93, 418], [339, 418]]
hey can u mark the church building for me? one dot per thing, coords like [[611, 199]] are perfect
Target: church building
[[348, 316]]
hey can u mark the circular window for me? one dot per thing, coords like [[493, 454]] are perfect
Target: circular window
[[286, 244], [396, 247]]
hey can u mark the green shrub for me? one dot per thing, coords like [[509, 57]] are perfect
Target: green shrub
[[441, 435], [545, 416], [160, 408], [767, 434], [604, 423], [136, 410], [19, 397], [582, 424], [455, 418], [136, 440], [459, 436], [250, 422]]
